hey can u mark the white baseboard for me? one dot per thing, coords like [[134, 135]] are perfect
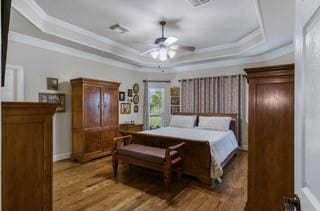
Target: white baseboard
[[61, 156], [244, 147]]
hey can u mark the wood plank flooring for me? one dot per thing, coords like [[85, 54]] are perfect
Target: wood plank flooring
[[91, 187]]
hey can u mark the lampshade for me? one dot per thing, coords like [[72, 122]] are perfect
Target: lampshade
[[171, 53], [163, 53], [154, 54]]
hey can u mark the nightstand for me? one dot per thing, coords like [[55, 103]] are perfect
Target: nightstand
[[131, 127]]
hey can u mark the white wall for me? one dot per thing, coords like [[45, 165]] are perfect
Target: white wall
[[40, 63]]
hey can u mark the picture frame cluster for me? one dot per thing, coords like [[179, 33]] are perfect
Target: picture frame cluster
[[57, 98], [128, 99], [175, 100]]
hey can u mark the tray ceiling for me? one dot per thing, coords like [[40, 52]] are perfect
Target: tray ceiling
[[219, 29]]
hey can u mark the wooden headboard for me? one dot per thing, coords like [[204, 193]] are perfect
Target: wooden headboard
[[233, 123]]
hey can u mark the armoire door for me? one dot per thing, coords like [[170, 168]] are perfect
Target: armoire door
[[92, 106], [110, 107], [271, 137], [273, 145]]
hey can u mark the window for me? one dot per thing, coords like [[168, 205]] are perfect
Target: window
[[156, 107]]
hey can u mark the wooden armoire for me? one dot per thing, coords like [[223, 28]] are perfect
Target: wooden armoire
[[95, 118], [27, 156], [271, 137]]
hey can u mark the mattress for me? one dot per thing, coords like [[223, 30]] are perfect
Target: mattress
[[222, 143]]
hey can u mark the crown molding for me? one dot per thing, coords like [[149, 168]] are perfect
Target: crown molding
[[54, 26], [287, 49], [35, 42]]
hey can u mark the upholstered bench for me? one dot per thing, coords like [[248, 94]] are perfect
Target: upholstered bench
[[164, 160]]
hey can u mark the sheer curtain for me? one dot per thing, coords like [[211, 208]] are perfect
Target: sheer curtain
[[146, 107], [221, 94]]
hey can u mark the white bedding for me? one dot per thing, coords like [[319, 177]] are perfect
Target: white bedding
[[222, 143]]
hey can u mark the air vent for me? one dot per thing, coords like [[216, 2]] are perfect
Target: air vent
[[118, 28], [196, 3]]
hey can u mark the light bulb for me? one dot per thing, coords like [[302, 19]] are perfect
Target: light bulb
[[154, 54], [163, 58], [171, 53], [163, 53]]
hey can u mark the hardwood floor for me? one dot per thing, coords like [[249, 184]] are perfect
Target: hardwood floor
[[91, 186]]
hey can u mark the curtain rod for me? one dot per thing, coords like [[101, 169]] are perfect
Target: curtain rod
[[156, 81], [202, 78]]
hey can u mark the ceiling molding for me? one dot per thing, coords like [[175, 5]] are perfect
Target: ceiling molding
[[287, 49], [35, 42], [51, 25]]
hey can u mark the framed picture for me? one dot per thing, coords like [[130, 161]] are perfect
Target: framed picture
[[135, 88], [122, 96], [136, 109], [136, 99], [175, 109], [130, 94], [175, 91], [54, 98], [125, 108], [175, 101], [52, 84]]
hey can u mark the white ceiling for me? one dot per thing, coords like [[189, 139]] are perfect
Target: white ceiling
[[222, 29], [216, 23]]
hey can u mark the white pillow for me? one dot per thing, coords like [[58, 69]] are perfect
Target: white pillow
[[183, 121], [214, 123]]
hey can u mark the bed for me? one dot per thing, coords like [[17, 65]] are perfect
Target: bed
[[207, 152]]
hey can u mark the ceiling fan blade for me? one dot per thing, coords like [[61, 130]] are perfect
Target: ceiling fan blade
[[183, 48], [170, 41], [149, 51]]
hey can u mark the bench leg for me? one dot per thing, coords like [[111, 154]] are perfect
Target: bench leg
[[179, 172], [115, 167], [167, 178]]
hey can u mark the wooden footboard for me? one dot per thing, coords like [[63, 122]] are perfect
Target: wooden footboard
[[197, 153]]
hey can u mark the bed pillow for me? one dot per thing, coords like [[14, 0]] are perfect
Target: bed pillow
[[183, 121], [214, 123]]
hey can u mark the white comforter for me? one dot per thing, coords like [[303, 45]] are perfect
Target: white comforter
[[222, 143]]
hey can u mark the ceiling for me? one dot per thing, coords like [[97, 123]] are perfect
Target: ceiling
[[215, 23], [219, 29]]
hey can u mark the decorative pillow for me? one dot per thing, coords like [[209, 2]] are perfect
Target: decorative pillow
[[214, 123], [183, 121]]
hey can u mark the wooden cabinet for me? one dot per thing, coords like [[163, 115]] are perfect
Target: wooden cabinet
[[95, 118], [271, 137], [132, 127], [27, 156]]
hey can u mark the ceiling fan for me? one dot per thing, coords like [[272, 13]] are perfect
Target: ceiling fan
[[164, 48]]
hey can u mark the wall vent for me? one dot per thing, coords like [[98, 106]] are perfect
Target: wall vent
[[196, 3], [118, 28]]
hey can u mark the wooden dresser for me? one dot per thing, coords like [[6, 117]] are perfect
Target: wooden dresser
[[271, 137], [27, 156], [95, 118], [131, 127]]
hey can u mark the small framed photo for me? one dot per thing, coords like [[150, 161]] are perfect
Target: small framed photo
[[130, 93], [136, 109], [175, 109], [52, 84], [122, 96], [175, 91], [175, 100], [54, 98], [125, 108]]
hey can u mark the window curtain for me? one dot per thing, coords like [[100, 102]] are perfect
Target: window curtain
[[221, 94], [146, 107]]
